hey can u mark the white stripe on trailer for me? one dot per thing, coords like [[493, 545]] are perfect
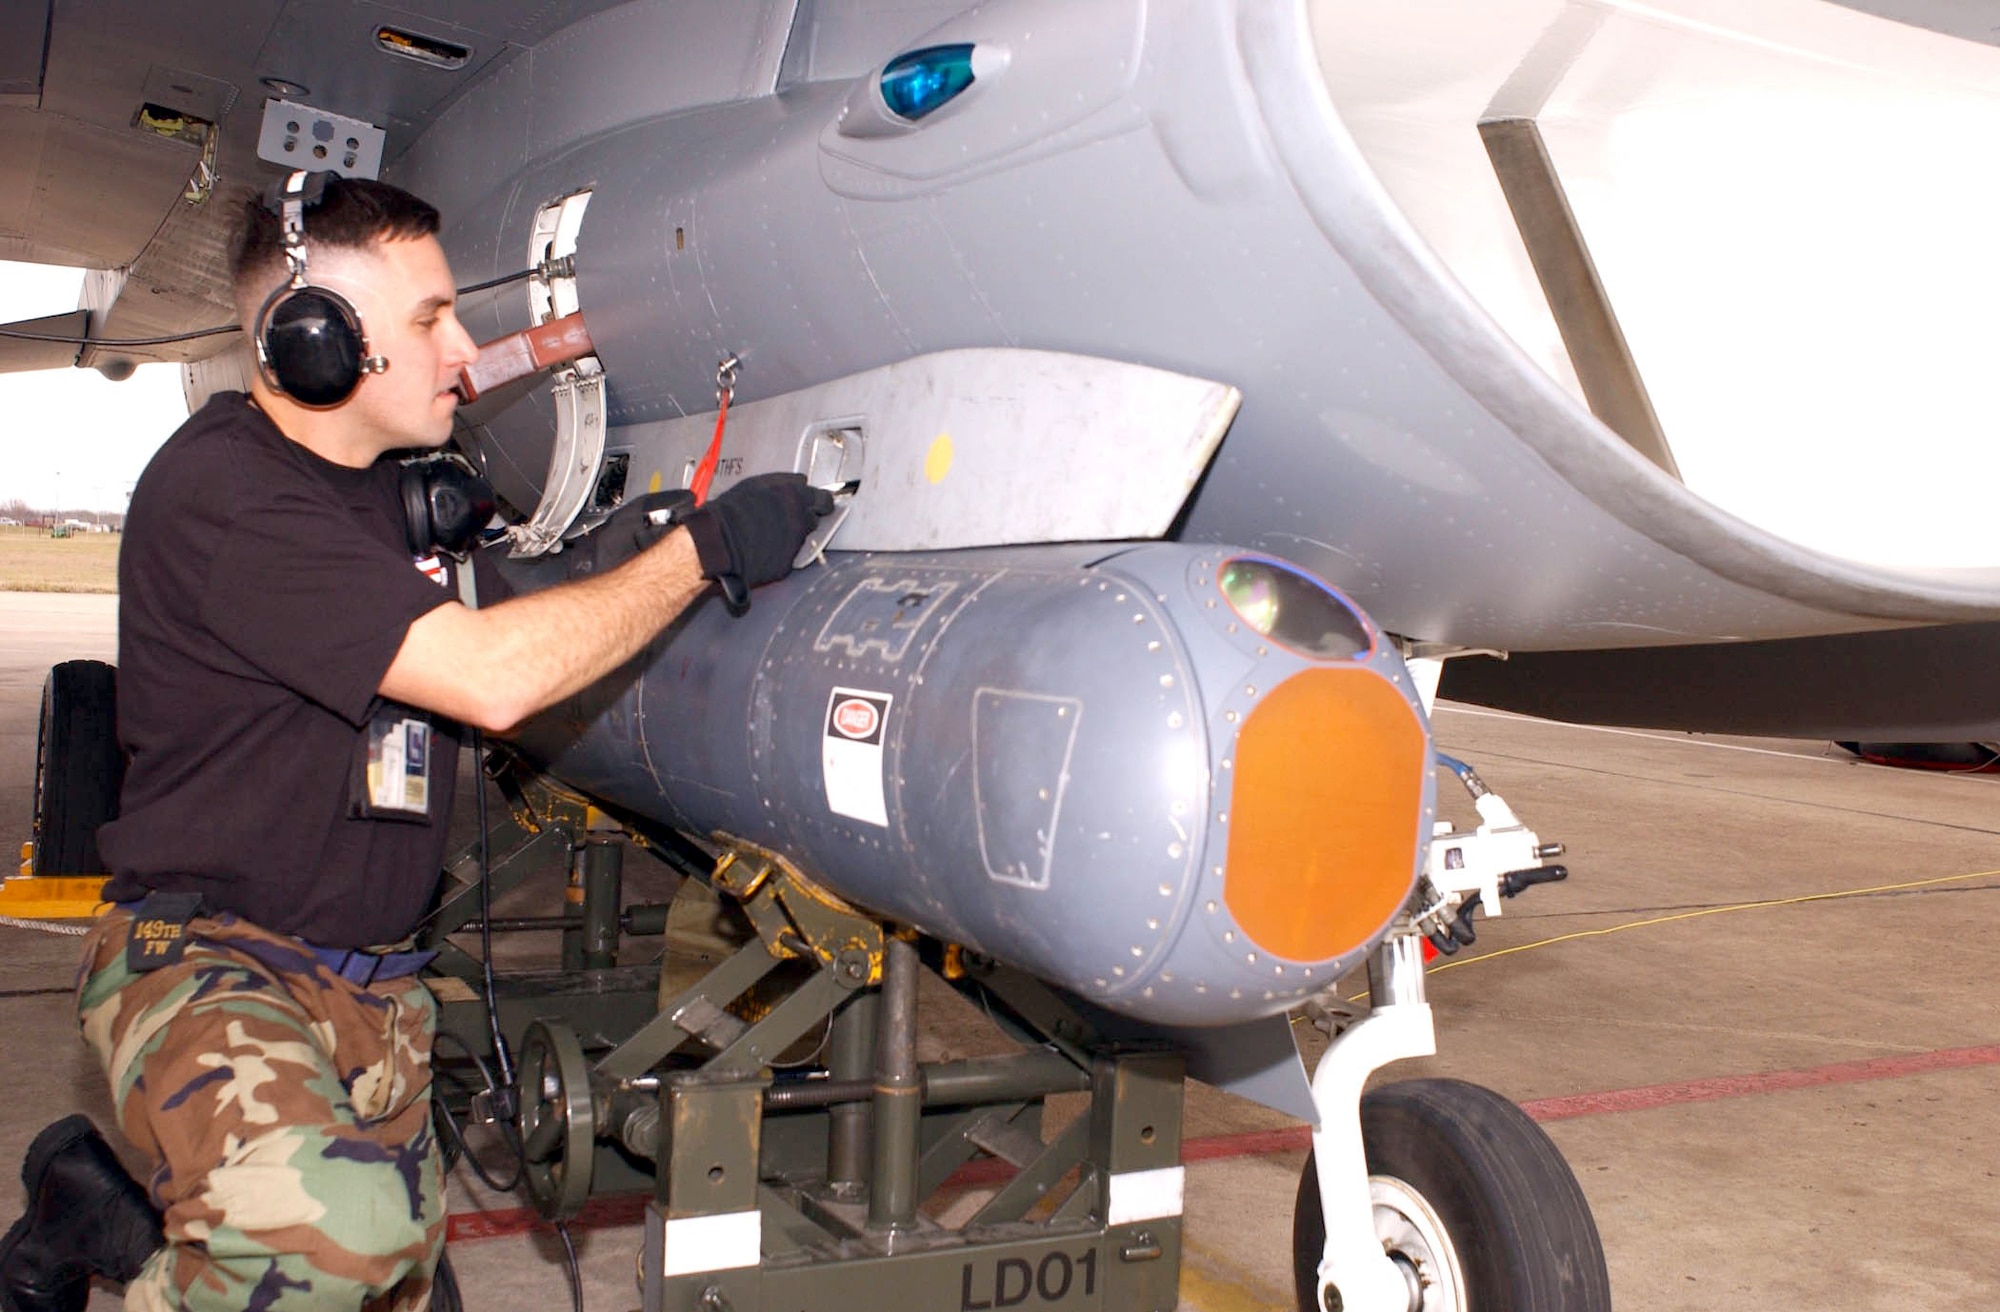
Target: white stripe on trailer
[[712, 1243], [1146, 1195]]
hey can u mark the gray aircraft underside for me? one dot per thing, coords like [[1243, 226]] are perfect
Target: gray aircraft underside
[[1164, 184], [1206, 187]]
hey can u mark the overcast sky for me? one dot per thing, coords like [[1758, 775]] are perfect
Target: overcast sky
[[70, 439]]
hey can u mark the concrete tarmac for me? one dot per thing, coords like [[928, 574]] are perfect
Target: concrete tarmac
[[1759, 1020]]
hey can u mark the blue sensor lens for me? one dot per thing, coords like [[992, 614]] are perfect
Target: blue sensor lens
[[923, 80]]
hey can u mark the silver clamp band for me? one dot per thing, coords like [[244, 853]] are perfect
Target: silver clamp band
[[293, 220]]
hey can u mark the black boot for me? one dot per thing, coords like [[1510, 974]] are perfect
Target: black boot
[[85, 1217]]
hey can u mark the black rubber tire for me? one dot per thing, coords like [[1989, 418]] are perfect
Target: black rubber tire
[[1511, 1208], [1965, 757], [78, 767]]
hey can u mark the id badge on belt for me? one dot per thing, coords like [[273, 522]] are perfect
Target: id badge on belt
[[159, 933], [392, 774]]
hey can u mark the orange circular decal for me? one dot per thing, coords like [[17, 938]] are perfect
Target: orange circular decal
[[856, 718]]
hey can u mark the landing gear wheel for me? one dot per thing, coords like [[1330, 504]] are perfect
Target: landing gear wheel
[[78, 767], [558, 1119], [1472, 1201]]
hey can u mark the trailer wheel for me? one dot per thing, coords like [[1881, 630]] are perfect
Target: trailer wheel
[[78, 767], [1472, 1200]]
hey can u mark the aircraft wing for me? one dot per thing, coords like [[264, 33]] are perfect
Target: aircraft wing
[[1433, 247], [41, 344], [1467, 374], [128, 130]]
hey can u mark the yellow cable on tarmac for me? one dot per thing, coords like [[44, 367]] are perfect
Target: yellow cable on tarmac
[[1437, 967]]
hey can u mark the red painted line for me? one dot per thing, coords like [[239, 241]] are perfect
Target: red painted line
[[598, 1213], [625, 1209], [1250, 1143], [978, 1173], [1648, 1096]]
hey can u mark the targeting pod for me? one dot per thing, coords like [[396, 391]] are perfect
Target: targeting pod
[[1188, 783]]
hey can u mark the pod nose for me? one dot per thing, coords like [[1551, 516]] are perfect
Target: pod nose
[[1324, 826]]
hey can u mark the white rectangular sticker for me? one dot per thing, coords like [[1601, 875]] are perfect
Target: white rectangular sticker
[[1146, 1195], [851, 754], [727, 1242]]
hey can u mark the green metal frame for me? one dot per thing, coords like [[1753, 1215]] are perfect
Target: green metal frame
[[842, 1174]]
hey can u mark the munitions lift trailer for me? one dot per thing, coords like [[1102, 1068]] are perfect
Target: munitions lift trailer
[[773, 1192]]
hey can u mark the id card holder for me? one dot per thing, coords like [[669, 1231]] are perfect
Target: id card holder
[[392, 779], [159, 930]]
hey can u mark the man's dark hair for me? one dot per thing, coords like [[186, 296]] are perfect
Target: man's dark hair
[[353, 213]]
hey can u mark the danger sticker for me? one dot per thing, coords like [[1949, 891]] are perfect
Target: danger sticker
[[858, 718], [851, 754]]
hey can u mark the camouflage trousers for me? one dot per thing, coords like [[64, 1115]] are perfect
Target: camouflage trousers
[[287, 1114]]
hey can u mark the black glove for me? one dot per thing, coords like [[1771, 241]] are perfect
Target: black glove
[[630, 529], [747, 536]]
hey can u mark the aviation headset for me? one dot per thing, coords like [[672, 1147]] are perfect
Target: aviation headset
[[311, 348], [446, 502], [310, 345]]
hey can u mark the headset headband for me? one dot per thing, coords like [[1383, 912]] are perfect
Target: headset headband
[[299, 190], [309, 339]]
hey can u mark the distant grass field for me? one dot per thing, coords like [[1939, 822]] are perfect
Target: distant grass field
[[32, 561]]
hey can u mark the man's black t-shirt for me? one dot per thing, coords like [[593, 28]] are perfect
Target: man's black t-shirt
[[263, 593]]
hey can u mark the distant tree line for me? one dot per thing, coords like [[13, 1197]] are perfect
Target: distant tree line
[[13, 511]]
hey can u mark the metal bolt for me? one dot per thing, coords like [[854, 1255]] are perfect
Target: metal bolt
[[714, 1300], [1331, 1299]]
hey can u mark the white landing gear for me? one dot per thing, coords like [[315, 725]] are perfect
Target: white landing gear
[[1432, 1195]]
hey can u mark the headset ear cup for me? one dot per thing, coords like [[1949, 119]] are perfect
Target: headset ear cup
[[445, 504], [414, 485], [311, 347], [461, 504]]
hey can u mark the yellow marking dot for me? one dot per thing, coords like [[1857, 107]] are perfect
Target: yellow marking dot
[[653, 483], [937, 463]]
